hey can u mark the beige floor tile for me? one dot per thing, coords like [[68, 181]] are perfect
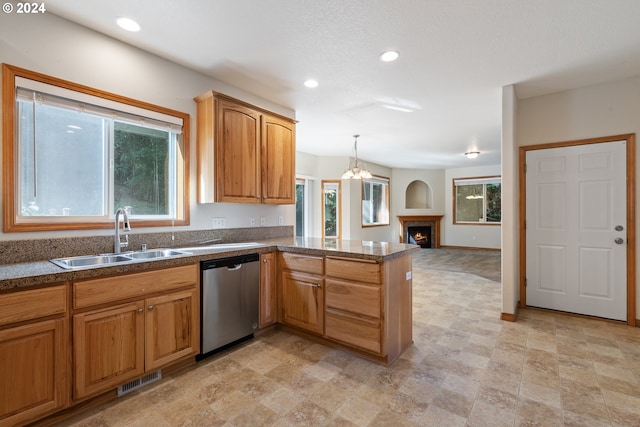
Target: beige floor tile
[[465, 367]]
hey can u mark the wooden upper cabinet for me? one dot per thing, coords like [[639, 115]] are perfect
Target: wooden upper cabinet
[[245, 154], [237, 154], [278, 161]]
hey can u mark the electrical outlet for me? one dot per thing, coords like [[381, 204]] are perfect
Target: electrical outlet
[[280, 220], [252, 222], [218, 222], [263, 221]]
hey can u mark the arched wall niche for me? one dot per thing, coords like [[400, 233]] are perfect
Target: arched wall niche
[[418, 195]]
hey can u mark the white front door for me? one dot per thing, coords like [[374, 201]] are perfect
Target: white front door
[[576, 237]]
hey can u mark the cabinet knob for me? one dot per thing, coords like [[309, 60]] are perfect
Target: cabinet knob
[[150, 308], [264, 260], [140, 311]]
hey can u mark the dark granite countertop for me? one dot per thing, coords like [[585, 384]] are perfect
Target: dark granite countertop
[[42, 273]]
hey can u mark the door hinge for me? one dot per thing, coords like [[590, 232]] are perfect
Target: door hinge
[[525, 282]]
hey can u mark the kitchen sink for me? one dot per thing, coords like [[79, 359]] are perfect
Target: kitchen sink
[[103, 260], [155, 253]]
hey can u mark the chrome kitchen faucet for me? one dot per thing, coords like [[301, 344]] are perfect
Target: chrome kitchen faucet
[[117, 244]]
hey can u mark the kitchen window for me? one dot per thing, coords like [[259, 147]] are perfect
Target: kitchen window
[[375, 201], [477, 200], [79, 154]]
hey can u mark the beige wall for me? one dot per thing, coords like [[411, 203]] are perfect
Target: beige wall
[[51, 45], [602, 110]]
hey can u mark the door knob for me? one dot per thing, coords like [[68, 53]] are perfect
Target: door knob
[[619, 241], [619, 228]]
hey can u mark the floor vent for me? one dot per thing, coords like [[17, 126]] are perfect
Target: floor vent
[[139, 382]]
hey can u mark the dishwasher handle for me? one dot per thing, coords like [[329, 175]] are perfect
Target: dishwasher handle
[[234, 267]]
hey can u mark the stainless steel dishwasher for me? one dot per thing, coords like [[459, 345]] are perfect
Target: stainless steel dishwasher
[[230, 295]]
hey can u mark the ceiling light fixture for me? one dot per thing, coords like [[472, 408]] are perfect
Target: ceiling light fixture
[[389, 56], [357, 170], [472, 154], [311, 83], [128, 24]]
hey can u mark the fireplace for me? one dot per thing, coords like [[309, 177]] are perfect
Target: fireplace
[[428, 228], [419, 235]]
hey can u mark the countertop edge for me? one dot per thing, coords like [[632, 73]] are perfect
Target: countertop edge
[[29, 275]]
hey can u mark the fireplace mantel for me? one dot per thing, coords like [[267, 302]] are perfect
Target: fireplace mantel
[[411, 220]]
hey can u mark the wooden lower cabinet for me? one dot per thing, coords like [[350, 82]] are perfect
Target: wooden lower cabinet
[[108, 347], [268, 280], [118, 343], [303, 301], [362, 305], [34, 356], [171, 328]]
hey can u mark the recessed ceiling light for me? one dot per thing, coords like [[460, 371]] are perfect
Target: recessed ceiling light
[[472, 154], [311, 83], [389, 56], [128, 24]]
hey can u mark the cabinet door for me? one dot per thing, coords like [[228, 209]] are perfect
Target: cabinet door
[[172, 328], [33, 371], [237, 154], [303, 301], [267, 289], [278, 161], [108, 347]]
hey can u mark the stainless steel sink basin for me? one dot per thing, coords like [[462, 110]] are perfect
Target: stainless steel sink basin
[[155, 253], [90, 261]]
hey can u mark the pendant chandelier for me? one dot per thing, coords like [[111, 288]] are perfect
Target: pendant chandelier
[[357, 170]]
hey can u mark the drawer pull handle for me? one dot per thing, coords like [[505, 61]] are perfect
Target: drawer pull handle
[[315, 285]]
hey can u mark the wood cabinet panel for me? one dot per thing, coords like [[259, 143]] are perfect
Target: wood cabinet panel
[[358, 270], [353, 331], [353, 297], [171, 328], [268, 298], [278, 161], [237, 154], [108, 347], [118, 288], [33, 304], [303, 301], [303, 263], [33, 371]]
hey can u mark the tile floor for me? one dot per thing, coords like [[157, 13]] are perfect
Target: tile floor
[[466, 367]]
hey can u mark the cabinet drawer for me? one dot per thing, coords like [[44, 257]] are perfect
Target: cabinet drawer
[[304, 263], [115, 288], [361, 271], [353, 297], [353, 331], [26, 305]]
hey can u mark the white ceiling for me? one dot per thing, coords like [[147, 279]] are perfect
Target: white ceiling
[[455, 55]]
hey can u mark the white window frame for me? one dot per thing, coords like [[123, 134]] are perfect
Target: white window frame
[[367, 205], [458, 182]]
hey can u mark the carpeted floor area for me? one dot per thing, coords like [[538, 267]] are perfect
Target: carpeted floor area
[[484, 263]]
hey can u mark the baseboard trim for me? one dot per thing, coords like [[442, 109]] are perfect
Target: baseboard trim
[[472, 248], [509, 317]]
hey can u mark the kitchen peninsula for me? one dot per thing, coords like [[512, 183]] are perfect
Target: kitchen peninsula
[[353, 295]]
